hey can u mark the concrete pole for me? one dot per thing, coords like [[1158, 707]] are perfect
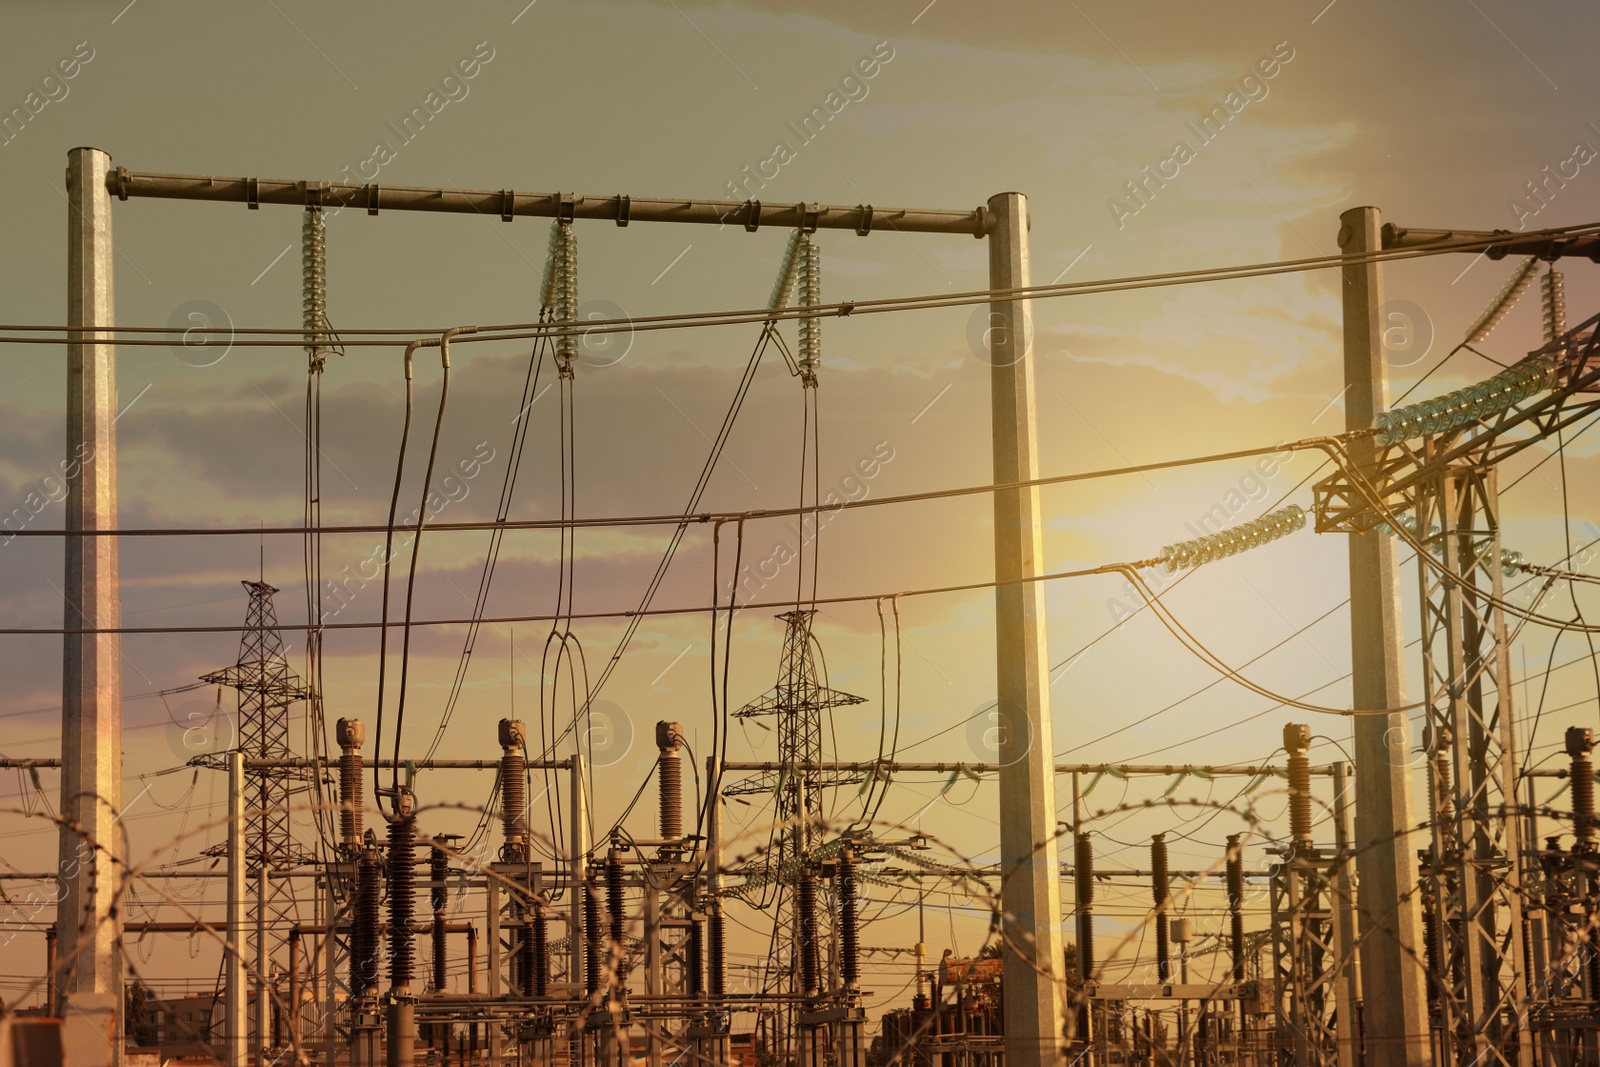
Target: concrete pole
[[88, 924], [1386, 864], [263, 964], [577, 869], [652, 963], [1347, 984], [1031, 896], [238, 1025]]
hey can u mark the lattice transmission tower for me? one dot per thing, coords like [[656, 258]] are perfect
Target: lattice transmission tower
[[798, 702], [267, 685]]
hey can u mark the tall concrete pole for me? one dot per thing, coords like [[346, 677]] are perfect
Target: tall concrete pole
[[577, 869], [237, 1028], [1031, 895], [263, 965], [1392, 978], [91, 704]]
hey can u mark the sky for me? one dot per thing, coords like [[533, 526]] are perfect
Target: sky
[[1443, 115]]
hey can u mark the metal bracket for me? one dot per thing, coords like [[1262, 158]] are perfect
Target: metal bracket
[[252, 193], [566, 206], [508, 204], [624, 206], [864, 227], [808, 217], [372, 199], [312, 193], [752, 215]]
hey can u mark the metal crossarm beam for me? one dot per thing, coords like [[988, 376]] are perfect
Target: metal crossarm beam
[[506, 204]]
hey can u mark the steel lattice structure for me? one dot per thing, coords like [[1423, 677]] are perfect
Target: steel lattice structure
[[798, 701], [1442, 489], [267, 685]]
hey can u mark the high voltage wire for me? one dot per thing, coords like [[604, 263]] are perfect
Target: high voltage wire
[[1317, 443], [295, 337]]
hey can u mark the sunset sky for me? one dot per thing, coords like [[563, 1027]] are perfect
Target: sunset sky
[[1444, 115]]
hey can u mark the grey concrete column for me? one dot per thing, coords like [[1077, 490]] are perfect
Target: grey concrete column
[[1392, 974], [577, 868], [91, 701], [237, 1008], [1031, 894]]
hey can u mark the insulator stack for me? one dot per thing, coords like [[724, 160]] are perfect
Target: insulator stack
[[439, 874], [1083, 886], [402, 891], [1463, 406], [1158, 888], [560, 292], [1512, 562], [1504, 301], [783, 288], [810, 351], [1235, 876], [849, 935], [1296, 739], [1444, 814], [1580, 743], [1430, 937], [715, 956], [1230, 542], [616, 915], [696, 963], [314, 283], [513, 791], [1553, 289], [669, 769], [351, 735], [364, 930], [806, 917], [597, 943], [541, 951]]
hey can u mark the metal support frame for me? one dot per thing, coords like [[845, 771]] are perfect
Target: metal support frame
[[798, 700], [1304, 954], [1027, 798], [1396, 998], [1476, 850]]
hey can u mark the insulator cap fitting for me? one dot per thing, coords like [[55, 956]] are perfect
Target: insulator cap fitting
[[669, 736], [1296, 737], [1580, 741], [350, 733], [513, 733]]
